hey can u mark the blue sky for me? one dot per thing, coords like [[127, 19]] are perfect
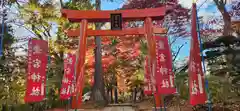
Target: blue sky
[[111, 5], [207, 9]]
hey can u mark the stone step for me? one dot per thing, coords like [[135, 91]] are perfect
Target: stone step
[[119, 108], [108, 109]]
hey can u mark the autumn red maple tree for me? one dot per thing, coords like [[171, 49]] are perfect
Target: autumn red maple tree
[[175, 20], [127, 48]]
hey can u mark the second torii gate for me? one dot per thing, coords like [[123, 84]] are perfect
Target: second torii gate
[[146, 15]]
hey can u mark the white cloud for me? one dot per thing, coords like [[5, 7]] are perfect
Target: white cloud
[[206, 8], [123, 2], [202, 3], [186, 3], [56, 3]]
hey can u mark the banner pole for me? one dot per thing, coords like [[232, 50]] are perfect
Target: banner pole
[[151, 72], [204, 67], [164, 105], [154, 101], [178, 99], [68, 104], [2, 34]]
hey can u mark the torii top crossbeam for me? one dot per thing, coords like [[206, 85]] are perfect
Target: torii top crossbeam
[[104, 16]]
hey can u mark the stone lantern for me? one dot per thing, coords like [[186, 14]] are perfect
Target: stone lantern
[[236, 27]]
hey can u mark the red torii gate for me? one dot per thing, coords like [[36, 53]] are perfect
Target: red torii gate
[[146, 15]]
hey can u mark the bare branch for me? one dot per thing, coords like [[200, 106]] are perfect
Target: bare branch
[[25, 28], [173, 41], [177, 52]]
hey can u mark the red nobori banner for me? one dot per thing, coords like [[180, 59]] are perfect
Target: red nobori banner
[[164, 74], [149, 87], [68, 87], [37, 66], [196, 77]]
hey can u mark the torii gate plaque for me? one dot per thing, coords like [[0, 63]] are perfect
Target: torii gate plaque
[[146, 15]]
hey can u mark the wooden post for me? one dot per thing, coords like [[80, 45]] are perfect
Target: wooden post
[[158, 101], [149, 36], [80, 62], [148, 26]]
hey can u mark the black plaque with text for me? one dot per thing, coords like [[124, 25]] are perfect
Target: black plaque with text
[[116, 21]]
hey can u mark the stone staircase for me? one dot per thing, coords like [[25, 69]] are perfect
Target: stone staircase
[[113, 107], [120, 107]]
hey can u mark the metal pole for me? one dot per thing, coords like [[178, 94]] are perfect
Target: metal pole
[[2, 34], [154, 102], [204, 67], [164, 105], [68, 103]]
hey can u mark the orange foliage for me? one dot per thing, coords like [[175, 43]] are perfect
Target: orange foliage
[[127, 48]]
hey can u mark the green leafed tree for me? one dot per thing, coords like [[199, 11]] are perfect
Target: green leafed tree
[[12, 81], [41, 19]]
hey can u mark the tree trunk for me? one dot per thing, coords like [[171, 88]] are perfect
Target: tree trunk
[[226, 16], [4, 108], [142, 94], [61, 4], [108, 93], [98, 88], [115, 85], [115, 93], [111, 95], [74, 1], [134, 95], [227, 23]]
